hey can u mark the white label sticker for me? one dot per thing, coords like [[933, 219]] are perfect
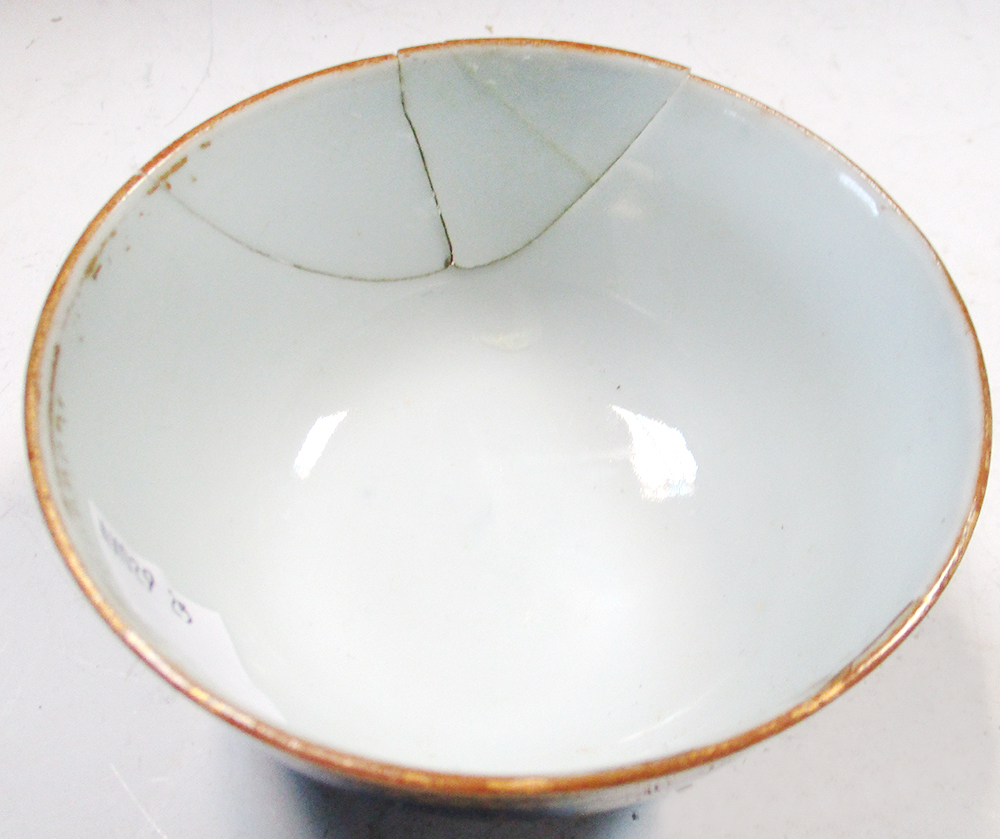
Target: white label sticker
[[196, 632]]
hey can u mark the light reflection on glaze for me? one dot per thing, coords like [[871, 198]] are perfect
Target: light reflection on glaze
[[680, 712], [315, 442], [860, 191], [660, 457]]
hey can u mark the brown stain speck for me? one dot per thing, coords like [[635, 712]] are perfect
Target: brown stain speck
[[206, 144], [94, 266], [164, 179]]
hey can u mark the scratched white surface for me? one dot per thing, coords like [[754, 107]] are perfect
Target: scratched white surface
[[92, 744]]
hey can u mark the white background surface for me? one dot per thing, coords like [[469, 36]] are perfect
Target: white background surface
[[92, 744]]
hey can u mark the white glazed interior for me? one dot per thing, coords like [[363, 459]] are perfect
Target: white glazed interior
[[646, 482]]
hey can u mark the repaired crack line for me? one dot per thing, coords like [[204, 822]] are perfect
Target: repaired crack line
[[537, 133], [575, 201], [450, 262], [289, 263], [423, 161]]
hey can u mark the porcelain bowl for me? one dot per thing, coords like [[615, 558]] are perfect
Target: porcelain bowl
[[508, 422]]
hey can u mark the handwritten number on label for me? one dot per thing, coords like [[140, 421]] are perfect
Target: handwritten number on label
[[179, 609], [140, 572], [143, 574]]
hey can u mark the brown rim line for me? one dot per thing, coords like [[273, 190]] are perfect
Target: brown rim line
[[593, 49], [440, 784]]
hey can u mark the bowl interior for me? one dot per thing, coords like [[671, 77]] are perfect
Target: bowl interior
[[431, 431]]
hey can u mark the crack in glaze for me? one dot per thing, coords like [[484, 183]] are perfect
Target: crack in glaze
[[289, 263], [568, 207], [470, 75], [423, 162]]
